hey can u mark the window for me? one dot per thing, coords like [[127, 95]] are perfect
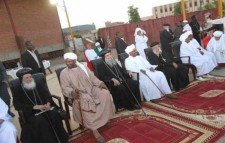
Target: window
[[196, 3], [171, 8], [161, 10], [165, 9], [190, 4]]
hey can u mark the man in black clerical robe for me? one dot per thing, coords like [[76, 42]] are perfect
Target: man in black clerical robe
[[174, 71], [121, 83], [33, 97], [166, 37]]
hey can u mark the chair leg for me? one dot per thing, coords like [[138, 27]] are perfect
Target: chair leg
[[67, 110], [194, 72], [68, 126]]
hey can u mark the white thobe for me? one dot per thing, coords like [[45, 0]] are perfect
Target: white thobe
[[7, 129], [204, 64], [186, 28], [196, 45], [148, 88], [141, 44], [91, 54], [217, 48]]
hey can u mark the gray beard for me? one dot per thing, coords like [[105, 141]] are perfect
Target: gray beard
[[29, 86], [110, 62], [155, 52]]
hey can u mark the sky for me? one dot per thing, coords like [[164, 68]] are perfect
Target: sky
[[99, 11]]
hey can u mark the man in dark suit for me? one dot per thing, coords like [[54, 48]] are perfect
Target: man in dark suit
[[120, 44], [101, 41], [31, 58], [195, 28]]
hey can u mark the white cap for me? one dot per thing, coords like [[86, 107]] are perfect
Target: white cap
[[97, 44], [217, 33], [185, 21], [70, 56], [129, 48]]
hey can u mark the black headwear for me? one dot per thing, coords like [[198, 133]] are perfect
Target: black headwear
[[193, 17], [23, 71], [166, 24], [104, 51], [153, 44]]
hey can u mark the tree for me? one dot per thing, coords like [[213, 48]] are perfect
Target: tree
[[177, 8], [133, 14], [209, 6]]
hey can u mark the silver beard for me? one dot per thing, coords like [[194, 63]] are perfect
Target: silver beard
[[155, 52], [29, 86], [110, 62]]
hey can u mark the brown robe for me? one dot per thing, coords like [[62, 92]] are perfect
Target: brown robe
[[96, 102]]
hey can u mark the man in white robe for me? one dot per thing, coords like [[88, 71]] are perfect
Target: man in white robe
[[196, 45], [85, 89], [141, 42], [90, 53], [186, 26], [216, 45], [7, 129], [203, 63], [152, 91]]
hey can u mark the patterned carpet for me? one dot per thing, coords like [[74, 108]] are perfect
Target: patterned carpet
[[189, 119]]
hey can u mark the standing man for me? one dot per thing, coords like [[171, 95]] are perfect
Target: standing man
[[96, 103], [195, 28], [31, 58], [101, 41], [166, 37], [98, 48], [141, 41], [120, 43], [4, 94]]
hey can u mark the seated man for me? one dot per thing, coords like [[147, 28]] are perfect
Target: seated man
[[153, 83], [92, 103], [216, 45], [7, 129], [123, 88], [202, 62], [32, 99], [173, 70]]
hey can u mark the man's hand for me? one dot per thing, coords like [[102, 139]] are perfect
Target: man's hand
[[175, 65], [39, 107], [130, 74], [201, 52], [75, 94], [47, 106], [1, 121], [115, 82]]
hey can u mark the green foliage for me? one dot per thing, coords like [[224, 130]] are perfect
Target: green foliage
[[209, 6], [133, 14], [177, 8]]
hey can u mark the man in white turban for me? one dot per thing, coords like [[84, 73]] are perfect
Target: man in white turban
[[153, 84], [203, 63], [80, 85], [98, 48], [216, 45], [7, 129], [186, 26], [141, 41]]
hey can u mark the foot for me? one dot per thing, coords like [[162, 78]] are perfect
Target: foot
[[130, 108], [99, 138], [200, 78], [171, 96], [209, 76], [155, 100], [137, 106]]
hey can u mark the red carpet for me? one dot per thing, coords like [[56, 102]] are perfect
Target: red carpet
[[204, 98]]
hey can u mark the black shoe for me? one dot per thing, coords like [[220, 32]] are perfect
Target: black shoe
[[130, 108]]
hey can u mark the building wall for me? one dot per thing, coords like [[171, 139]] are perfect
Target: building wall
[[35, 20], [167, 10]]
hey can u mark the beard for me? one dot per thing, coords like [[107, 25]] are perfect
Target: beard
[[29, 86], [155, 51], [110, 62]]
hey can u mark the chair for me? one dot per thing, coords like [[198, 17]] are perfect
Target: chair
[[96, 64], [122, 57], [67, 102], [14, 86], [147, 50], [176, 52]]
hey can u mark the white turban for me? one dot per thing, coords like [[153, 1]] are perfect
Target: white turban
[[129, 48], [183, 37], [185, 21], [97, 44], [70, 56], [217, 33]]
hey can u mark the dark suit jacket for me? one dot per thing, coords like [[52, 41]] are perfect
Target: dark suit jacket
[[165, 39], [29, 61], [102, 42], [120, 45]]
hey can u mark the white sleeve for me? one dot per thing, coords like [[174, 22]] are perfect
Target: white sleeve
[[3, 110]]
